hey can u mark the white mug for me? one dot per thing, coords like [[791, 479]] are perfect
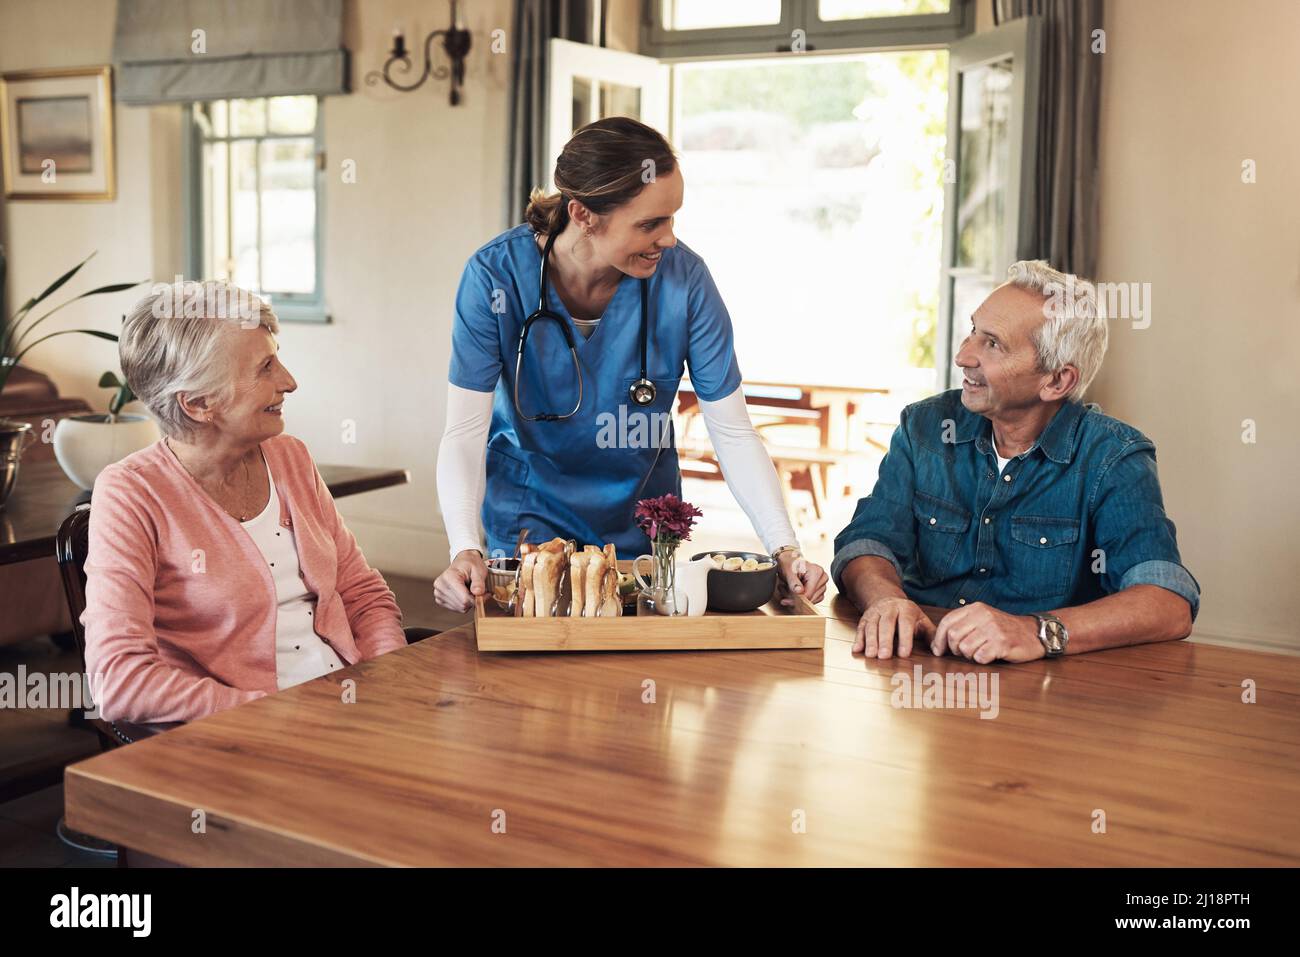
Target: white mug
[[691, 579]]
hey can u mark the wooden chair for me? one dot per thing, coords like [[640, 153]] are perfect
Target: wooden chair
[[70, 546]]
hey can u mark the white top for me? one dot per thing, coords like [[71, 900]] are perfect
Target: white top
[[1002, 463], [587, 326], [300, 655], [748, 469]]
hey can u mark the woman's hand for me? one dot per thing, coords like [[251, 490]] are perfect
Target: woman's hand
[[797, 574], [463, 581]]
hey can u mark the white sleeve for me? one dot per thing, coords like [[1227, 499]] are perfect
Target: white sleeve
[[462, 467], [748, 469]]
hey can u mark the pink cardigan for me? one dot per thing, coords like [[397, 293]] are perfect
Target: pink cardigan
[[180, 605]]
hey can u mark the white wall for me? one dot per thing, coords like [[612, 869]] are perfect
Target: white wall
[[1190, 91], [429, 188]]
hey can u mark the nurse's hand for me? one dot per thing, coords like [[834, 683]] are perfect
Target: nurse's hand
[[801, 576], [465, 579]]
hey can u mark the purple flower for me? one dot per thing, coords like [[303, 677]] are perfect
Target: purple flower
[[666, 519]]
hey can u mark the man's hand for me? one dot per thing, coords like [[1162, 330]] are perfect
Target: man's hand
[[463, 581], [983, 634], [798, 575], [886, 618]]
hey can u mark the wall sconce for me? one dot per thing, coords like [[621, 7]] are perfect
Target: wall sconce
[[455, 43]]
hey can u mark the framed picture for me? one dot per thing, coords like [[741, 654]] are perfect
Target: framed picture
[[56, 134]]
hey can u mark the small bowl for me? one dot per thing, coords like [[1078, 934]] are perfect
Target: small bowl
[[739, 591], [501, 573]]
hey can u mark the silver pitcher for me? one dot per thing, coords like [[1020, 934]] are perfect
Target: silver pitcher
[[14, 438]]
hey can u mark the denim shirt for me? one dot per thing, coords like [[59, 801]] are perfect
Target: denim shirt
[[1076, 517]]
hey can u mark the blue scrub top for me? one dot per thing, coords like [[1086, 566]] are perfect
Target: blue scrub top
[[581, 477]]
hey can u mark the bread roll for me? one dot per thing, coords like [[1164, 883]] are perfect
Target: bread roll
[[577, 583], [594, 584], [547, 572], [525, 596], [611, 604]]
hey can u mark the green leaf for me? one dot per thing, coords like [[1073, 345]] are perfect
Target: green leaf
[[64, 332], [115, 287], [53, 288]]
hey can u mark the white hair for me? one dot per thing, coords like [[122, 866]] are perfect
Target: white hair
[[172, 342], [1073, 330]]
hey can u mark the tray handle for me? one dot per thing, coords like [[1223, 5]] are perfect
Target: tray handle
[[802, 606]]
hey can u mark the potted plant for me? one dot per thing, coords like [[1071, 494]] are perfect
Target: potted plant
[[86, 444], [15, 342]]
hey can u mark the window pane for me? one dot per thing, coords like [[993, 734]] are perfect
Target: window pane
[[288, 216], [704, 14], [292, 114], [830, 170], [247, 117], [243, 215], [216, 209], [215, 111], [985, 152], [618, 99], [861, 9], [582, 94]]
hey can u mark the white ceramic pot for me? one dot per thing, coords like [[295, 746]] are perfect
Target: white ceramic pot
[[85, 444]]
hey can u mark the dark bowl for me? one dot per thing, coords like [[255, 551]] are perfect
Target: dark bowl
[[739, 591]]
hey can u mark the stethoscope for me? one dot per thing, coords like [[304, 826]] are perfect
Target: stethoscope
[[642, 392]]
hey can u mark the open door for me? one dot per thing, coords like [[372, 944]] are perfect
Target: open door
[[589, 83], [989, 173]]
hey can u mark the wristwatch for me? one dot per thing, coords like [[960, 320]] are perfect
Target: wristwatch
[[1052, 633]]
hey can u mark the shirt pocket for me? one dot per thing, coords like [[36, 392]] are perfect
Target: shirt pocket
[[507, 481], [941, 528], [643, 427], [1042, 557]]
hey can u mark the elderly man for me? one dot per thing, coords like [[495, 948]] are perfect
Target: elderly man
[[1036, 518]]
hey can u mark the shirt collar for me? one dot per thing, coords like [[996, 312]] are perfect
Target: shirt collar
[[1057, 440]]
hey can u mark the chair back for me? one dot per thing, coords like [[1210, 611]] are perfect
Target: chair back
[[70, 547]]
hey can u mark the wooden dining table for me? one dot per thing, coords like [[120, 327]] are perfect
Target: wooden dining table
[[1177, 753]]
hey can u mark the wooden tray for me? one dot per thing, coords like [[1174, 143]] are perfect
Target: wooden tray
[[771, 626]]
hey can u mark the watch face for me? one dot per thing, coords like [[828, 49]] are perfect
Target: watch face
[[1054, 632]]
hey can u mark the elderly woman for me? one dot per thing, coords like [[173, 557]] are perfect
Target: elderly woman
[[219, 569]]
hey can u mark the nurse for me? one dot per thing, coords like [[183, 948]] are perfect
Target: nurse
[[571, 335]]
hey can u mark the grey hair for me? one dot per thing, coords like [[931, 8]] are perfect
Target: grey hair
[[172, 342], [1074, 330]]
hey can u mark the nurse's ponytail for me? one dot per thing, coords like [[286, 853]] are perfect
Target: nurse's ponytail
[[546, 214], [604, 165]]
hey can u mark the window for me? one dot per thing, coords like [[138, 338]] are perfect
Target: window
[[254, 199], [713, 28], [832, 168]]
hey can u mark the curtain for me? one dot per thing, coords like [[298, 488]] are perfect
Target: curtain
[[1069, 113], [536, 22], [247, 48]]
